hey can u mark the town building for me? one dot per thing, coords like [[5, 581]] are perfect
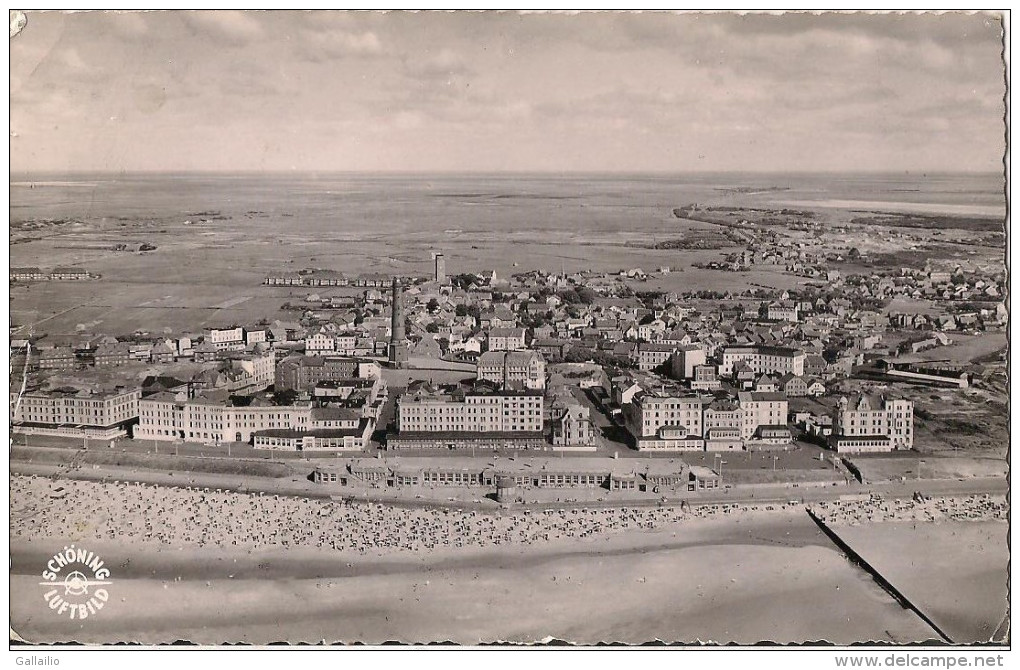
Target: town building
[[69, 274], [28, 274], [662, 420], [75, 413], [723, 421], [705, 378], [651, 355], [793, 386], [112, 354], [258, 370], [513, 369], [428, 418], [347, 432], [510, 478], [56, 358], [686, 358], [205, 353], [300, 372], [869, 424], [760, 411], [572, 426], [319, 343], [505, 339], [252, 337], [701, 478], [763, 360], [217, 417], [226, 338], [784, 310]]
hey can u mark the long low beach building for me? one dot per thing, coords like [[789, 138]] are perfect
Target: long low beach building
[[429, 418], [651, 475]]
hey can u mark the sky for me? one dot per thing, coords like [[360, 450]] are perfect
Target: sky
[[492, 92]]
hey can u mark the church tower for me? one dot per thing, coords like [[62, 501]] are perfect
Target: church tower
[[398, 341]]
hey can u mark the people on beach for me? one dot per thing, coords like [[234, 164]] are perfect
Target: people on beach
[[919, 508], [188, 516]]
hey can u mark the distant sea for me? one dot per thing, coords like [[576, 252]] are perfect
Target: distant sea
[[453, 201]]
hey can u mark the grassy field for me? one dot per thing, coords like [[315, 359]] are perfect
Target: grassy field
[[958, 421], [221, 466], [799, 464], [965, 348], [189, 284]]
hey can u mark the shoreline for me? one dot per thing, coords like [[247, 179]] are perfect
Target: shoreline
[[726, 573]]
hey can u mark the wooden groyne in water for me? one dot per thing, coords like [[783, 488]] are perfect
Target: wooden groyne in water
[[886, 585]]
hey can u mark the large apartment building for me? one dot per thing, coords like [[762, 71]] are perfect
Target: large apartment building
[[784, 310], [662, 420], [513, 369], [505, 339], [764, 360], [300, 372], [762, 411], [865, 423], [430, 418], [686, 359], [226, 338], [724, 421], [215, 417], [651, 355], [670, 420], [103, 415]]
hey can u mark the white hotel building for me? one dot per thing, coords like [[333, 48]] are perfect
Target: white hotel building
[[659, 420], [764, 360], [74, 414], [668, 420], [210, 418], [761, 410], [869, 424], [495, 412]]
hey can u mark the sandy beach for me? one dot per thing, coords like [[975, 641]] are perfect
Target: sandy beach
[[955, 572], [315, 570], [744, 593], [947, 555]]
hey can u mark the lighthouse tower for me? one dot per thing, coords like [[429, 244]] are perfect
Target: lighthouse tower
[[398, 342]]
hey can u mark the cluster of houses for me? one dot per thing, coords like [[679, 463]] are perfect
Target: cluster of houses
[[107, 351], [320, 277], [29, 274], [809, 256], [679, 372]]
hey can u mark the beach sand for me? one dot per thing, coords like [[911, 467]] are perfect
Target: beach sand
[[955, 572], [720, 592], [233, 567]]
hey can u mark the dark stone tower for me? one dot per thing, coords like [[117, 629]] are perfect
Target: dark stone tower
[[398, 341]]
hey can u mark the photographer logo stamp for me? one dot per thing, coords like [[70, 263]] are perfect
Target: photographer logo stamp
[[76, 578]]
